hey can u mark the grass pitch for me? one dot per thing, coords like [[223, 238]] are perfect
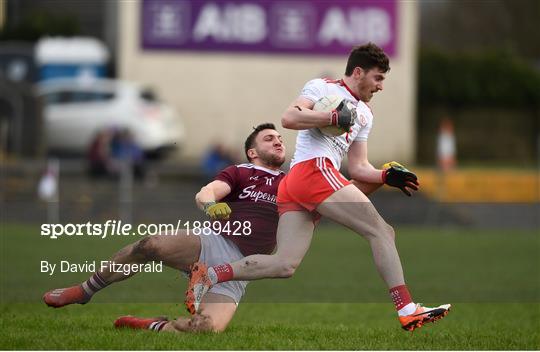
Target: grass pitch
[[335, 301]]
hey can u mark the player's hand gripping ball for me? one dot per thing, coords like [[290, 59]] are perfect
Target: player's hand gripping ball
[[396, 175], [343, 114], [217, 211]]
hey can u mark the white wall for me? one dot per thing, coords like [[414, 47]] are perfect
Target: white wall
[[221, 96]]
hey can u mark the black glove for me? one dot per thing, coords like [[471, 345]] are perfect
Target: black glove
[[396, 175], [343, 117]]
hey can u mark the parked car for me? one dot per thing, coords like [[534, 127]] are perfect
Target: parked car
[[76, 110]]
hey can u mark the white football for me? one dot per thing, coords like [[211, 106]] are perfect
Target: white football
[[329, 103]]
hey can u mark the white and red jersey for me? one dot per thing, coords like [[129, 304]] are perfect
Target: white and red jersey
[[311, 143], [252, 198]]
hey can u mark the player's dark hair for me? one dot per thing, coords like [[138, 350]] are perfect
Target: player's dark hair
[[250, 140], [367, 57]]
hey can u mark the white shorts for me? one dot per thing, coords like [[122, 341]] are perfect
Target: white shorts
[[215, 250]]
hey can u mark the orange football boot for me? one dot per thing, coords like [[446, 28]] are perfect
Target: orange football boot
[[198, 285], [423, 315]]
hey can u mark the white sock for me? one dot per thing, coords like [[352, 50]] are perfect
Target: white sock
[[94, 284], [407, 310]]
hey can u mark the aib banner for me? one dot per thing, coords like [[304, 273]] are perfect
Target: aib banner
[[269, 26]]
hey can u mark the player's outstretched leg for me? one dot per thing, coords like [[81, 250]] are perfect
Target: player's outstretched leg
[[75, 294], [132, 322], [295, 230], [381, 237], [133, 253], [215, 313], [177, 251]]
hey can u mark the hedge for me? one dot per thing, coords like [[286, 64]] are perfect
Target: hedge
[[477, 79]]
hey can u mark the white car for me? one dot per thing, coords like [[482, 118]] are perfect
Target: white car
[[76, 110]]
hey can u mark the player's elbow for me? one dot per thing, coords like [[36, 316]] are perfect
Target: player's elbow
[[390, 232], [289, 119], [354, 175], [287, 122], [287, 268], [358, 172]]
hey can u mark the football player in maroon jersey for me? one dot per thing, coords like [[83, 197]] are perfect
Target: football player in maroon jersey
[[242, 199]]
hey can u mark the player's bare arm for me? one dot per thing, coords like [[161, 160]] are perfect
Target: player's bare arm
[[300, 116], [208, 197], [212, 192], [368, 179], [359, 167]]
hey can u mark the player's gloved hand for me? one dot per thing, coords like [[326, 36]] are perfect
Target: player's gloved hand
[[396, 175], [217, 211], [342, 116]]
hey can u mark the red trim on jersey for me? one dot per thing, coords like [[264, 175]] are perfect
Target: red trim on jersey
[[331, 80], [342, 82]]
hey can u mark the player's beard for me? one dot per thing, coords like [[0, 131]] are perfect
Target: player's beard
[[365, 94], [270, 159]]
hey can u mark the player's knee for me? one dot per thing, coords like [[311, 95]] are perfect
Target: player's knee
[[146, 248], [204, 323], [381, 230], [389, 231], [386, 232]]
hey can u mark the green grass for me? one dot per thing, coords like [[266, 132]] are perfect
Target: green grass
[[335, 301], [275, 326]]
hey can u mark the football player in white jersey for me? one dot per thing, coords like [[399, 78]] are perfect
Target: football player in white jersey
[[315, 187]]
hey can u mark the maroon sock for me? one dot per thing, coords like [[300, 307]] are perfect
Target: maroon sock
[[400, 296]]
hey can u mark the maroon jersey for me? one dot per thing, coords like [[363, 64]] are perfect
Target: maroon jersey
[[253, 222]]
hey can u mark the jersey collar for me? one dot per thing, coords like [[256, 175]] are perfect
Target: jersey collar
[[270, 171], [342, 82], [273, 172]]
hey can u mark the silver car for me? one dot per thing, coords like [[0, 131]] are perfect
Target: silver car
[[76, 110]]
